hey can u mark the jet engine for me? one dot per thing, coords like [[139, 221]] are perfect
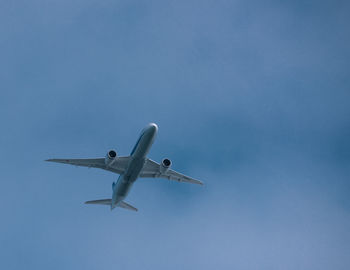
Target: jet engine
[[165, 165], [110, 157]]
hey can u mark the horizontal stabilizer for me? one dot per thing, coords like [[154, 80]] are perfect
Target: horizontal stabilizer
[[125, 205], [121, 204], [103, 202]]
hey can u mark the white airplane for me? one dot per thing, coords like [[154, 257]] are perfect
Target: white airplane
[[130, 168]]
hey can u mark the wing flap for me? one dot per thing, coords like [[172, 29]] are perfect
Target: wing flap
[[151, 169], [86, 162], [119, 166]]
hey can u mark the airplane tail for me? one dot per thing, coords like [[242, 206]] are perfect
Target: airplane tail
[[121, 204]]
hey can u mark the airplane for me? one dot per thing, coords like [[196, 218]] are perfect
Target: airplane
[[130, 168]]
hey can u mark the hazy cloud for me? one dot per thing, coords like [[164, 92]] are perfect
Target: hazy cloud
[[250, 97]]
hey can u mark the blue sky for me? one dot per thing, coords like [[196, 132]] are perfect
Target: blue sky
[[250, 97]]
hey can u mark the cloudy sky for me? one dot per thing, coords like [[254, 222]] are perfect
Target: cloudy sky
[[251, 97]]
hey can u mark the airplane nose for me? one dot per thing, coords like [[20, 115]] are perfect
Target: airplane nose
[[153, 127]]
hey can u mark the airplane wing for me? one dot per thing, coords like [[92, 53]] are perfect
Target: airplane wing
[[118, 166], [151, 169]]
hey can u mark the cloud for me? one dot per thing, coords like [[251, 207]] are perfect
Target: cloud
[[249, 97]]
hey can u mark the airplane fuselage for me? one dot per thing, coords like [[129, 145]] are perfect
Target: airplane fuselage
[[135, 165]]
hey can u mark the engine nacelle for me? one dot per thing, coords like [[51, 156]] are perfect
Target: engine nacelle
[[165, 165], [110, 157]]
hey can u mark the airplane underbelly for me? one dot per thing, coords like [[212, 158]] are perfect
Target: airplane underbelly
[[125, 181], [123, 188], [134, 169]]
